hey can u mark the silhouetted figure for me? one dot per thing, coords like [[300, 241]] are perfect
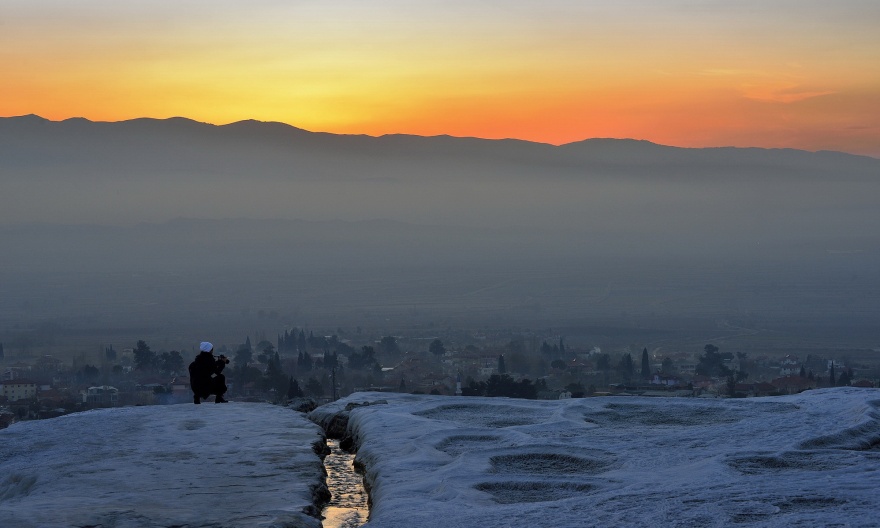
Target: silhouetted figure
[[206, 374]]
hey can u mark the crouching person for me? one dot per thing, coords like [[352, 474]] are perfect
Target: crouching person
[[206, 374]]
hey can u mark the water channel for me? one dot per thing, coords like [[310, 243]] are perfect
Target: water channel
[[348, 506]]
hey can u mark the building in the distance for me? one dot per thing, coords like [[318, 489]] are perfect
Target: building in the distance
[[19, 389], [103, 396], [790, 366]]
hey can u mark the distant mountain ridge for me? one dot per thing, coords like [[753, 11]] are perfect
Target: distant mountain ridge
[[604, 149], [155, 170]]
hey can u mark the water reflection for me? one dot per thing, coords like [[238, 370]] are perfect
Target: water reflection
[[348, 506]]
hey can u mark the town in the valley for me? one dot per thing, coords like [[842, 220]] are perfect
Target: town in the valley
[[318, 367]]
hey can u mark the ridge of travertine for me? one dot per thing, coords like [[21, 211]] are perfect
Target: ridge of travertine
[[233, 465]]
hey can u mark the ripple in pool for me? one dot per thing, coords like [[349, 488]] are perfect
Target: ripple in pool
[[457, 445], [518, 492], [547, 464]]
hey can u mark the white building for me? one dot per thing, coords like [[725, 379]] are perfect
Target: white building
[[790, 366], [19, 389], [102, 396]]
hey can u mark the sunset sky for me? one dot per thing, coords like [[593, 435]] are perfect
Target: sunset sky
[[766, 73]]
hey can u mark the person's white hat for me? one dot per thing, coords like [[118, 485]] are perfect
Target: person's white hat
[[206, 346]]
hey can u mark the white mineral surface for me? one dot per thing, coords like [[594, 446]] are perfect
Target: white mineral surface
[[806, 460], [227, 465]]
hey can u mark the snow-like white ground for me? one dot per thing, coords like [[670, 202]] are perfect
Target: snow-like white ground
[[232, 465], [808, 460]]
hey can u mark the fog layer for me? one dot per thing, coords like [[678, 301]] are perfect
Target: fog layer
[[252, 215]]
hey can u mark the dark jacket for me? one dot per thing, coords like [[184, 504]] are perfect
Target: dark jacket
[[205, 374]]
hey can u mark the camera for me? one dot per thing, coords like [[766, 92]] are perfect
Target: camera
[[223, 359]]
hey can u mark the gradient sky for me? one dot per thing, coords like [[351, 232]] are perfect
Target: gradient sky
[[771, 73]]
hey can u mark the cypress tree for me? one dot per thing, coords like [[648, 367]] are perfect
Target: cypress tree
[[626, 367], [293, 390]]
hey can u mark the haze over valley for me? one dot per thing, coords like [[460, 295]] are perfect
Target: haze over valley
[[173, 227]]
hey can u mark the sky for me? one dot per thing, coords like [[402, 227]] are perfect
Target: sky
[[773, 73]]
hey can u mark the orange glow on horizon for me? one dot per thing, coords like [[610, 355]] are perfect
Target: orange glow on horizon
[[562, 73]]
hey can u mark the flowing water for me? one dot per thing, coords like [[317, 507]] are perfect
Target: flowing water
[[348, 506]]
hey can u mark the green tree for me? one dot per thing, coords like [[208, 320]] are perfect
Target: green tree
[[243, 356], [831, 378], [558, 364], [733, 378], [365, 360], [603, 365], [576, 389], [711, 363], [473, 388], [845, 379], [502, 367], [274, 377], [314, 387], [625, 367], [667, 367], [504, 385], [144, 358], [170, 362], [437, 348], [304, 361], [293, 390], [646, 364], [89, 373], [318, 342], [388, 345], [330, 360], [266, 350], [244, 375], [499, 385]]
